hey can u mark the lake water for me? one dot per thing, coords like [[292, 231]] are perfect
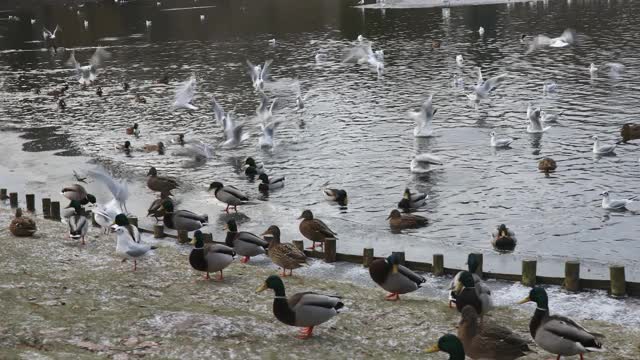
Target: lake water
[[354, 131]]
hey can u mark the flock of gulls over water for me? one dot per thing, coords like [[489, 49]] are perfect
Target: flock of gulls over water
[[475, 338]]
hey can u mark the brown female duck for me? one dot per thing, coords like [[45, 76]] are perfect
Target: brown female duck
[[314, 229], [399, 221], [285, 255], [162, 184], [21, 225]]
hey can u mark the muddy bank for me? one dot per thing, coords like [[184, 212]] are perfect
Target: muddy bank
[[62, 300]]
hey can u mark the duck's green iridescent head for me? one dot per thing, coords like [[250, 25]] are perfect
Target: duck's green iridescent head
[[450, 344]]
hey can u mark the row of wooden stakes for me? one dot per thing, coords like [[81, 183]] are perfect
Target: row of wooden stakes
[[617, 286]]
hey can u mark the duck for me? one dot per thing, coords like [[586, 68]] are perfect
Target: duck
[[314, 229], [58, 92], [229, 195], [162, 184], [182, 219], [62, 104], [472, 267], [134, 130], [547, 165], [466, 293], [285, 255], [78, 193], [155, 209], [209, 258], [125, 148], [393, 277], [268, 184], [22, 226], [504, 239], [489, 341], [602, 149], [435, 44], [122, 220], [125, 85], [399, 221], [99, 91], [558, 334], [449, 344], [244, 243], [306, 309], [127, 248], [78, 223], [338, 195], [412, 201], [140, 99], [159, 147], [253, 168]]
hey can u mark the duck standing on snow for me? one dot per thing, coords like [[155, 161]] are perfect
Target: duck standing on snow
[[285, 255], [182, 219], [78, 223], [314, 229], [393, 277], [209, 258], [229, 195], [244, 243], [466, 293]]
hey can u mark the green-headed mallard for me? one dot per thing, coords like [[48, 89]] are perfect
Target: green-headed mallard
[[412, 201], [558, 334], [466, 293], [449, 344], [268, 183], [156, 210], [399, 221], [182, 219], [472, 266], [134, 130], [338, 195], [393, 277], [503, 239], [123, 221], [78, 223], [125, 148], [228, 195], [489, 341], [209, 258], [244, 243], [159, 148], [285, 255], [314, 229], [22, 225], [162, 184], [306, 309], [253, 169]]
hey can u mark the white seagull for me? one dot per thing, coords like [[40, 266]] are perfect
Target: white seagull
[[615, 204], [500, 143], [567, 38], [459, 60], [421, 163], [483, 88], [119, 189], [266, 139], [259, 74], [126, 248], [602, 149], [423, 119], [88, 73], [50, 37], [481, 31], [185, 94], [535, 122]]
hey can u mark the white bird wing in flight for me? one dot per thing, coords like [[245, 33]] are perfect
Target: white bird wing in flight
[[493, 83], [219, 113], [265, 72], [119, 189], [185, 94]]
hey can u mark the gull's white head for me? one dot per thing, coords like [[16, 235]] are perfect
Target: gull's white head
[[593, 68], [360, 38], [481, 30], [493, 134], [595, 137], [605, 194]]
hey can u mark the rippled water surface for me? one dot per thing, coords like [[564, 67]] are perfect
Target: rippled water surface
[[354, 131]]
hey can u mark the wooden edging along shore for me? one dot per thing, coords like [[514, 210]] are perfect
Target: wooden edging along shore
[[617, 286]]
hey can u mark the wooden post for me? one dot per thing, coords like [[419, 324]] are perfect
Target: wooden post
[[572, 275], [330, 250], [207, 238], [46, 208], [55, 210], [31, 202], [367, 257], [298, 244], [158, 231], [399, 255], [618, 282], [438, 265], [3, 194], [183, 236], [133, 220], [529, 269], [13, 199], [478, 257]]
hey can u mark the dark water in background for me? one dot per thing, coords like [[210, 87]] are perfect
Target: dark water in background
[[355, 132]]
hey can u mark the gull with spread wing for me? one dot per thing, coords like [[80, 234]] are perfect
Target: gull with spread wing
[[185, 94], [423, 119], [259, 74], [483, 87], [88, 73]]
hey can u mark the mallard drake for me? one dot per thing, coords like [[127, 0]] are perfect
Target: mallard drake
[[62, 104], [558, 334], [399, 221], [229, 195], [133, 130], [244, 243], [412, 201], [162, 184], [155, 209], [285, 255], [393, 277], [338, 195], [122, 220], [182, 219], [547, 165], [489, 341], [125, 148], [306, 309], [503, 239], [22, 225], [253, 168], [270, 183], [466, 293], [314, 229], [127, 248], [78, 223], [99, 91], [209, 258], [159, 147], [450, 344], [472, 266]]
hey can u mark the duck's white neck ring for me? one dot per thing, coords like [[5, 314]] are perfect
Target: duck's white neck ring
[[280, 297]]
